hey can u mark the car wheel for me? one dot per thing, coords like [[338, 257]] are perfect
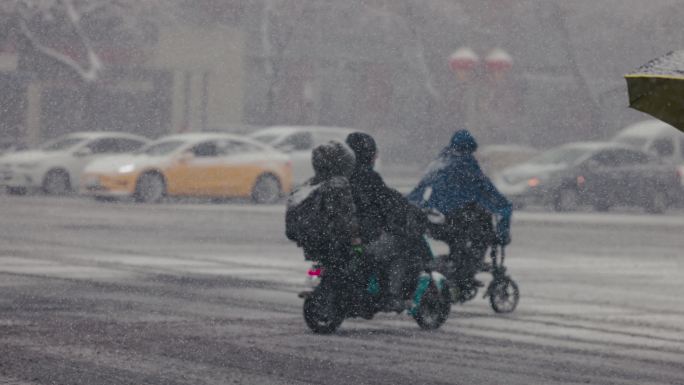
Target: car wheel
[[266, 189], [601, 205], [56, 182], [99, 198], [658, 203], [517, 203], [567, 199], [150, 188], [16, 190]]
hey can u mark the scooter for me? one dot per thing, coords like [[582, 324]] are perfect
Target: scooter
[[334, 298]]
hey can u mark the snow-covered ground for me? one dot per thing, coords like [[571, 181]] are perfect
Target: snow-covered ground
[[206, 293]]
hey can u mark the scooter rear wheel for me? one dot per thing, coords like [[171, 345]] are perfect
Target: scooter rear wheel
[[320, 312]]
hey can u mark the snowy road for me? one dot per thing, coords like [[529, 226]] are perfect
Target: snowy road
[[98, 293]]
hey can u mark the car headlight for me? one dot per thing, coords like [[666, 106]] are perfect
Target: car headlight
[[533, 182], [28, 165], [126, 168]]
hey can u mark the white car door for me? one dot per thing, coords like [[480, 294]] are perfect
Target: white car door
[[88, 152], [298, 145]]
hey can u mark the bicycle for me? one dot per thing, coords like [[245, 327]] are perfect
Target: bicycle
[[503, 291]]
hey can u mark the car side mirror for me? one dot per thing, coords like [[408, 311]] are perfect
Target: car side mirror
[[591, 164], [83, 152]]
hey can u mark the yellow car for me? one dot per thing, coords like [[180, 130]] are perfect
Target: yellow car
[[195, 164]]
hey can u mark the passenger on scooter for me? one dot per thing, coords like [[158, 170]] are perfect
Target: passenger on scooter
[[454, 185], [321, 216], [385, 221]]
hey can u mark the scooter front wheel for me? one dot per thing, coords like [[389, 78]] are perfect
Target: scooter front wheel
[[504, 295], [320, 312], [434, 307]]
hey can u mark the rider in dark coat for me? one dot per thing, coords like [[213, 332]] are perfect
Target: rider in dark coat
[[455, 185], [374, 200], [386, 221]]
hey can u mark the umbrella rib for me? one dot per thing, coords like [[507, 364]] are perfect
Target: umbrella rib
[[633, 101]]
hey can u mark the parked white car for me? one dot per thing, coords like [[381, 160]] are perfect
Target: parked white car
[[55, 167], [298, 141], [658, 138]]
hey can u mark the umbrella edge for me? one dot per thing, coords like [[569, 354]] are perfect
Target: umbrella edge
[[651, 76]]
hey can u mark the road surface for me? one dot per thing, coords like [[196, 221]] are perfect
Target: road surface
[[202, 293]]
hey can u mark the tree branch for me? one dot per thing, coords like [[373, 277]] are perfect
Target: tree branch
[[88, 74], [93, 5], [419, 51]]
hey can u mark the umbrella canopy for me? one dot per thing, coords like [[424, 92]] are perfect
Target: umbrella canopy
[[657, 88]]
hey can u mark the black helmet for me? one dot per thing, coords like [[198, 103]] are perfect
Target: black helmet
[[363, 146], [332, 159]]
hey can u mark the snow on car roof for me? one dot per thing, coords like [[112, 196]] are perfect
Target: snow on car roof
[[289, 129], [647, 128], [506, 147], [98, 134], [593, 146], [199, 136]]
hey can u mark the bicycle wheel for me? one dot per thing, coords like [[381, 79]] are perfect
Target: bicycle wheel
[[504, 295]]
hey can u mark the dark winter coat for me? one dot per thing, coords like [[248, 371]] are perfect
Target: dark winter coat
[[331, 218], [379, 207], [340, 223], [375, 202]]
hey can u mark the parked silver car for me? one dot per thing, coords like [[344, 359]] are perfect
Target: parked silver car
[[298, 141]]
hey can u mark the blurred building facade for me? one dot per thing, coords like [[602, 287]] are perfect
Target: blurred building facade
[[182, 75], [378, 65], [383, 66], [356, 63]]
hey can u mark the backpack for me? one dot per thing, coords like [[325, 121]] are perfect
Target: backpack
[[304, 220]]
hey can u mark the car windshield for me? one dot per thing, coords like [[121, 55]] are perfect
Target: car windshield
[[161, 148], [631, 140], [62, 144], [266, 138], [562, 155]]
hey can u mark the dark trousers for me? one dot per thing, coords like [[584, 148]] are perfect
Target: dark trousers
[[469, 232], [398, 258]]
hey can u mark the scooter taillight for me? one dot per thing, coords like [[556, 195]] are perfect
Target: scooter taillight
[[313, 276]]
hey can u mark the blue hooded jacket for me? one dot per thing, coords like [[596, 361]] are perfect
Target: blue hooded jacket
[[454, 180]]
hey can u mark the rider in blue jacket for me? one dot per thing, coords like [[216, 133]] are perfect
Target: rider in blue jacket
[[455, 185]]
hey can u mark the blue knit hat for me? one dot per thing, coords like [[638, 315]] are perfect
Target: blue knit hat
[[463, 141]]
